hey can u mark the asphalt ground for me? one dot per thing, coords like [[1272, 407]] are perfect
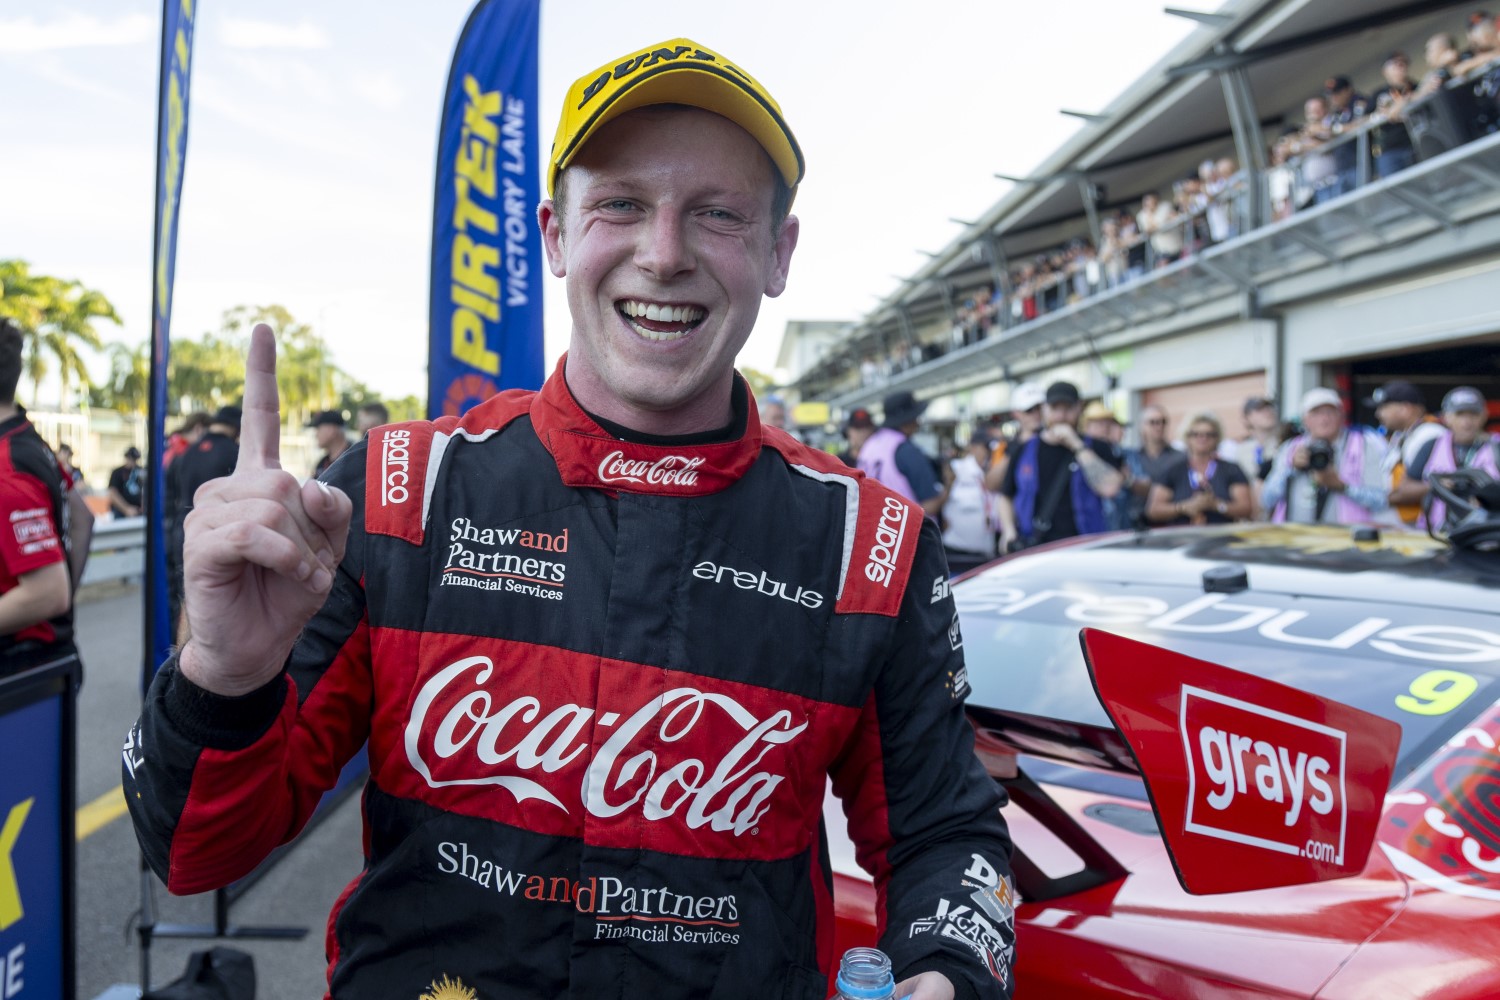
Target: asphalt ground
[[297, 891]]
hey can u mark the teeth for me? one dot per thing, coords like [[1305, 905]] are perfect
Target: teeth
[[660, 313]]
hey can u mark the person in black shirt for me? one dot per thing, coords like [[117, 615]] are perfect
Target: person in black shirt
[[1204, 489], [127, 486], [329, 427], [1392, 142], [1056, 484], [212, 456]]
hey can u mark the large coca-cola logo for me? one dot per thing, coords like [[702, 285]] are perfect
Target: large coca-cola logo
[[460, 734], [669, 470]]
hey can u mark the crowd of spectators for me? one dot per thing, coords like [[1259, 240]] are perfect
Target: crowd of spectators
[[1344, 136], [1055, 467]]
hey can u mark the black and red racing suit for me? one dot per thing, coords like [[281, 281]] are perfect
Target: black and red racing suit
[[604, 685]]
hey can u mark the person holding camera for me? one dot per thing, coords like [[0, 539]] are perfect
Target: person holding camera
[[1331, 472]]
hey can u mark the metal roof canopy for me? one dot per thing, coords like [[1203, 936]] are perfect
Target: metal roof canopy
[[1177, 108]]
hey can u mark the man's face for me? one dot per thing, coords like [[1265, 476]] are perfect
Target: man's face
[[1153, 425], [1102, 430], [1394, 71], [667, 249], [1396, 416], [1465, 425], [1061, 413], [1339, 99], [1030, 420], [773, 414], [1324, 422], [328, 434], [1314, 111], [1261, 422]]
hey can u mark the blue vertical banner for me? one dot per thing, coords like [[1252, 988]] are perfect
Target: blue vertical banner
[[177, 20], [485, 319]]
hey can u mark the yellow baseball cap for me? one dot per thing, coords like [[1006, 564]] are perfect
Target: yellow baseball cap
[[678, 71]]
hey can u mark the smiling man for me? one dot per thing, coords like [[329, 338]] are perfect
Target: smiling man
[[608, 641]]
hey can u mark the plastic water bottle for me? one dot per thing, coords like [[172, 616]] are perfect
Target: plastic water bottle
[[865, 974]]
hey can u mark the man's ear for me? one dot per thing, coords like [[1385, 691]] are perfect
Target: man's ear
[[551, 225], [786, 242]]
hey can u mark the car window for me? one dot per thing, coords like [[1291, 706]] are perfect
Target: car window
[[1430, 672]]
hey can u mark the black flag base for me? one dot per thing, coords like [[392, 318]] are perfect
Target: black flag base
[[148, 929], [217, 974]]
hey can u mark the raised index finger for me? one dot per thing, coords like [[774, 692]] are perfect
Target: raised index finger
[[260, 422]]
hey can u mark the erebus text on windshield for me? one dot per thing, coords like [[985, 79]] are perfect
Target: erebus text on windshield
[[1211, 615]]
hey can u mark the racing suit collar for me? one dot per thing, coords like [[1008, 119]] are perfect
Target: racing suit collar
[[589, 456]]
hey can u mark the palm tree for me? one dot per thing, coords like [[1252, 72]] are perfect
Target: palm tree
[[129, 385], [55, 316]]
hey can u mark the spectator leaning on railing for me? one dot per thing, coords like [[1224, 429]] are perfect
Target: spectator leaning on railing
[[1345, 109], [1330, 473], [1390, 141]]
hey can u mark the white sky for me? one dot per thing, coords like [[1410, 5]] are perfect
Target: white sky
[[313, 127]]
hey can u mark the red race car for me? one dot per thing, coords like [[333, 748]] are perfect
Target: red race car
[[1352, 749]]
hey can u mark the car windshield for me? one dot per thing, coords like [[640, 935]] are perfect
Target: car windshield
[[1429, 671]]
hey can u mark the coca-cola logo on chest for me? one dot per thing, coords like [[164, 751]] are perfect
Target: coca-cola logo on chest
[[669, 470], [608, 759]]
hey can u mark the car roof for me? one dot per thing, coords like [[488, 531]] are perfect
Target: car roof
[[1386, 565]]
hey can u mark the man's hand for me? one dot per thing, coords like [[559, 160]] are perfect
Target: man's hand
[[927, 986], [1301, 458], [1328, 478], [1064, 435], [259, 551]]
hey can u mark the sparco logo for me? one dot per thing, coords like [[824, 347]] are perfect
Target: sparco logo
[[669, 470], [396, 463], [453, 714], [888, 535]]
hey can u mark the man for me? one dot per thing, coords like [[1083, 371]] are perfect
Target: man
[[1465, 445], [194, 426], [1161, 227], [857, 430], [1151, 462], [1391, 142], [44, 532], [74, 473], [890, 457], [1099, 423], [774, 414], [1255, 452], [370, 416], [1319, 170], [1402, 411], [607, 641], [1330, 473], [127, 485], [1345, 109], [212, 457], [1056, 484], [1026, 410], [328, 427]]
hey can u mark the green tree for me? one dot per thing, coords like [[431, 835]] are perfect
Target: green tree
[[206, 374], [128, 388], [305, 373], [761, 384], [56, 317]]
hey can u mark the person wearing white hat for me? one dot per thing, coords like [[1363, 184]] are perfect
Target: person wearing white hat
[[1331, 472]]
